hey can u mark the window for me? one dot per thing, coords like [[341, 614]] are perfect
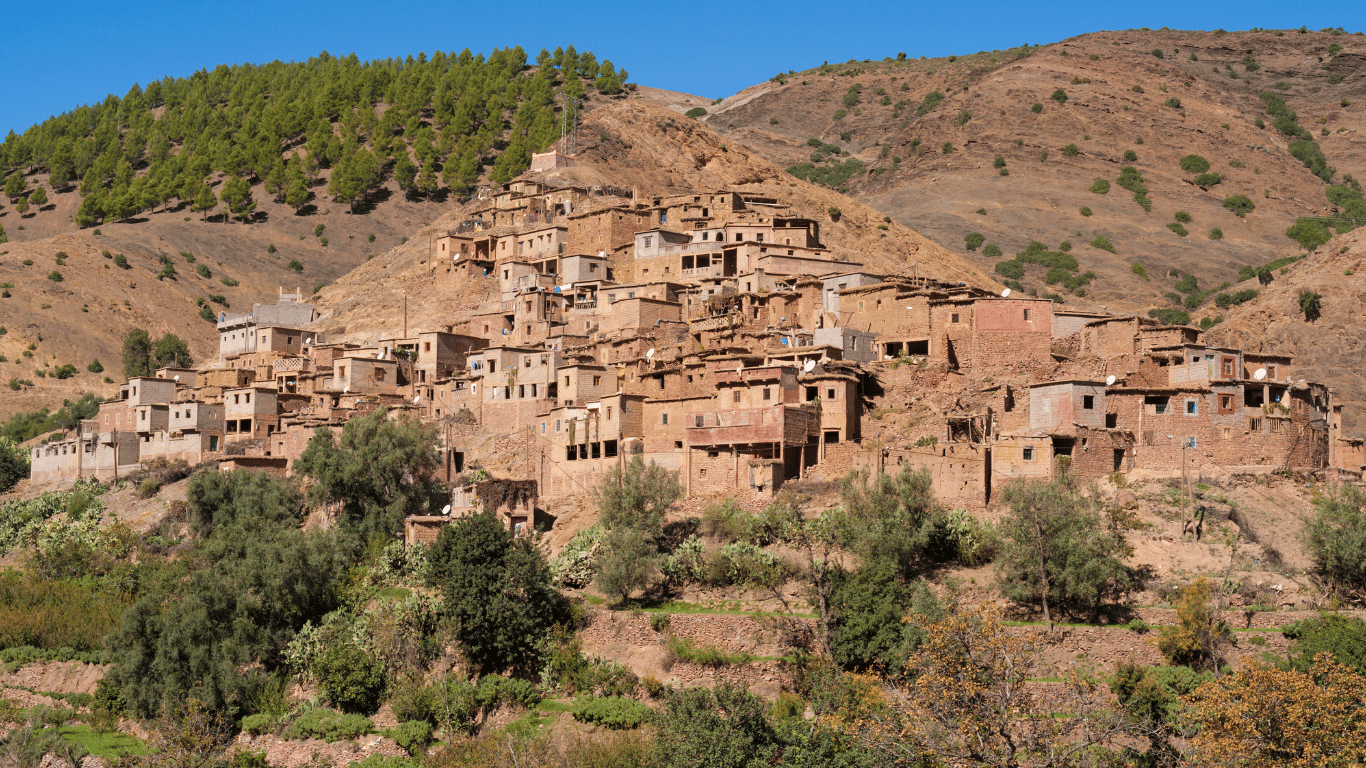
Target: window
[[1228, 432], [768, 394], [1088, 402], [1254, 425], [735, 396], [426, 346], [597, 381], [738, 237], [1226, 367], [248, 398], [609, 413], [954, 318], [663, 418], [1026, 315], [829, 393], [1028, 454], [699, 421], [1192, 407], [1226, 403], [1158, 404]]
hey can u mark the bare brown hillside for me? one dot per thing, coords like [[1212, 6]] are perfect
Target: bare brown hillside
[[1117, 93], [632, 143], [1329, 348]]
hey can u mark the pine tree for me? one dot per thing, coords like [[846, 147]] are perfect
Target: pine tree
[[426, 180], [14, 187], [405, 174], [21, 205], [237, 196], [277, 181], [39, 196], [204, 201]]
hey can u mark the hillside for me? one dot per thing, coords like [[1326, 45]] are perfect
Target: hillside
[[340, 160], [632, 143], [1328, 348], [1116, 96]]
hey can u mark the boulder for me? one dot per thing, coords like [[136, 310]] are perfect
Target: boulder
[[1126, 499]]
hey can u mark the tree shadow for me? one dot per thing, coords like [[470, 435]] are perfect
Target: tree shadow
[[307, 209], [371, 201]]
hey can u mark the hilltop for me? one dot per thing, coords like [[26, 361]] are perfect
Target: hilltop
[[1015, 172], [647, 146]]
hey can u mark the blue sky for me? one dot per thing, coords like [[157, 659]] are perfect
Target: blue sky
[[60, 55]]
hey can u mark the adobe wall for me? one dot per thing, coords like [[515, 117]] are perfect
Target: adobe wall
[[957, 470]]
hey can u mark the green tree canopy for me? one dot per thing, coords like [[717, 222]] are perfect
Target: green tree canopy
[[498, 590], [380, 471]]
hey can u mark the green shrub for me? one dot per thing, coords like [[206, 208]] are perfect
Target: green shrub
[[1130, 156], [930, 101], [203, 271], [1102, 242], [328, 725], [1100, 186], [1084, 211], [947, 148], [350, 678], [228, 281], [1311, 155], [614, 712], [695, 112], [839, 115], [1140, 270], [991, 250], [1173, 102], [1240, 205], [1071, 150], [1158, 53], [55, 276], [1170, 316], [1216, 234], [1207, 179], [412, 736], [1036, 108], [1059, 96], [295, 265], [1309, 233], [659, 622], [963, 117], [1065, 246], [1342, 636], [999, 162], [1182, 217], [974, 240], [148, 488], [259, 724], [1311, 303], [1226, 300], [1176, 227], [686, 650], [1011, 269]]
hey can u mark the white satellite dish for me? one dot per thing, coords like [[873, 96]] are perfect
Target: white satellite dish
[[308, 340], [650, 353], [1005, 294], [1110, 381], [808, 365], [417, 399], [346, 389], [1259, 374], [446, 510], [176, 377]]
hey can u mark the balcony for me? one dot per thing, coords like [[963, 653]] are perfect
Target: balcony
[[749, 426]]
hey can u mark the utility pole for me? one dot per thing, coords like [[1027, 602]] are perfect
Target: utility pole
[[405, 314]]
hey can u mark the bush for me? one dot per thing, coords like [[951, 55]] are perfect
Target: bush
[[1036, 108], [1170, 316], [974, 241], [412, 736], [1216, 234], [686, 650], [963, 117], [1226, 300], [695, 112], [1100, 186], [659, 622], [148, 488], [1194, 164], [1309, 233], [1059, 96], [1173, 102], [95, 366], [1342, 636], [1011, 269], [1140, 270], [1240, 205], [295, 265], [614, 712], [1310, 304], [991, 250], [1071, 150], [1200, 634], [1158, 53], [947, 148], [1182, 217], [328, 725], [1084, 211], [55, 276], [1176, 227], [1102, 242], [1207, 179], [350, 678], [1130, 156]]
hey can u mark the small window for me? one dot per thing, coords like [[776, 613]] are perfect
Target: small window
[[1192, 407], [1228, 432], [1088, 402], [1026, 315], [1028, 454], [1226, 403], [735, 396], [954, 318], [699, 420], [768, 394], [663, 418], [597, 381], [830, 393]]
